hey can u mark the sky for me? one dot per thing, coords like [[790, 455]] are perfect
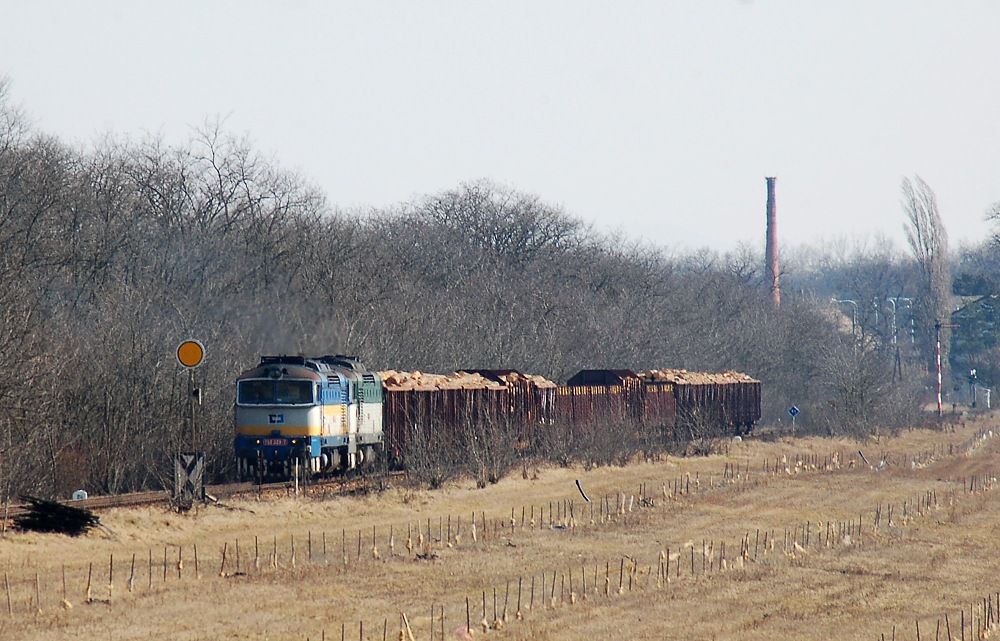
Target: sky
[[658, 120]]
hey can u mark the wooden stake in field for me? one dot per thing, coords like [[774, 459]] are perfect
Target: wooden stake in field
[[6, 585], [405, 628], [518, 613]]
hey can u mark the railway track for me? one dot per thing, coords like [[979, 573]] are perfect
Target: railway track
[[214, 492]]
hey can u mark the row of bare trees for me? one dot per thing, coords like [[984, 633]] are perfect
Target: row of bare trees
[[115, 253]]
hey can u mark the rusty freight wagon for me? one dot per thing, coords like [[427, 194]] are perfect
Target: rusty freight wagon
[[711, 404], [601, 395], [436, 407], [532, 400]]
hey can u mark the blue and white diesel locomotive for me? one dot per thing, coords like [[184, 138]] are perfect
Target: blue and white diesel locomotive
[[323, 412]]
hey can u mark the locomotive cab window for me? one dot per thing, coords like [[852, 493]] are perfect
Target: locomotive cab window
[[255, 392], [268, 392], [293, 392]]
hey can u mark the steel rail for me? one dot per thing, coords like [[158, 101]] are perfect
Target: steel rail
[[223, 490]]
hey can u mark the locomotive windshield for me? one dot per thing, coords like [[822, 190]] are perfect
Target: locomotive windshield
[[270, 392]]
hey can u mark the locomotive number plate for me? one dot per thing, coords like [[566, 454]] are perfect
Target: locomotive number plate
[[275, 441]]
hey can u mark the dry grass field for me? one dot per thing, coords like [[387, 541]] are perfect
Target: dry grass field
[[752, 553]]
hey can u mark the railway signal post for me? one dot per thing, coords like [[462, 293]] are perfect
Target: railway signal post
[[189, 467]]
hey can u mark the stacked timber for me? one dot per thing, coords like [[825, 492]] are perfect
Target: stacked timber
[[532, 380], [684, 377], [397, 381]]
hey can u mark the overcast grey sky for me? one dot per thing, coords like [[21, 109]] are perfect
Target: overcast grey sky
[[660, 119]]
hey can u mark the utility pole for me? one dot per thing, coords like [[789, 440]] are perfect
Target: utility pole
[[938, 325], [937, 359]]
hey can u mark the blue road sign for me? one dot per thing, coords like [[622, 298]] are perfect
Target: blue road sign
[[793, 411]]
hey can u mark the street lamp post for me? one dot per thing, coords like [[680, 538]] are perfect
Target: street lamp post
[[893, 302], [854, 318], [913, 325]]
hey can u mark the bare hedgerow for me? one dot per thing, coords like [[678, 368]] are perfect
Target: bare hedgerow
[[488, 449], [432, 453]]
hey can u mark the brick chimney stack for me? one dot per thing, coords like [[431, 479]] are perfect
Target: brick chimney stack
[[771, 249]]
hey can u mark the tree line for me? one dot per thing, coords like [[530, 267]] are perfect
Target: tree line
[[115, 252]]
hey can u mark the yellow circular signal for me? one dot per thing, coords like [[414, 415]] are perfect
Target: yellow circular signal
[[190, 353]]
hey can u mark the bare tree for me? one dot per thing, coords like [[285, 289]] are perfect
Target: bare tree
[[928, 241]]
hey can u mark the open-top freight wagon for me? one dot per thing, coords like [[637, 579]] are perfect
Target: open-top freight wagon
[[600, 395], [444, 408], [710, 404], [332, 413], [436, 408], [681, 404]]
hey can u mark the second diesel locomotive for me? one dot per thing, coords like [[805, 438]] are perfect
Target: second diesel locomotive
[[323, 413]]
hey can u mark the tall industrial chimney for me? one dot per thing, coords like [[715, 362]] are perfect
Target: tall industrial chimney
[[771, 248]]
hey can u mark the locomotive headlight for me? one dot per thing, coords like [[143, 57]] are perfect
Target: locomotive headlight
[[258, 441], [294, 441]]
